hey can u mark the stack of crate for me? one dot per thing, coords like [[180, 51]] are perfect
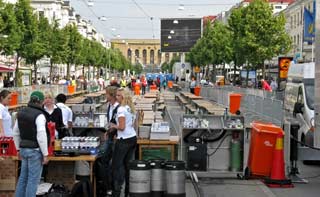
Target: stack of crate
[[7, 176]]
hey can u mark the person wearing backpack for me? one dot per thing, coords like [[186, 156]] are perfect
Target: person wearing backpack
[[125, 144]]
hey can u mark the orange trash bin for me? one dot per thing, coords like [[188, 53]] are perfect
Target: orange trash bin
[[137, 89], [263, 140], [14, 99], [71, 89], [197, 90], [170, 84], [153, 87], [234, 103]]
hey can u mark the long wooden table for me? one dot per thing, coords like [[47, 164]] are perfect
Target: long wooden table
[[89, 158]]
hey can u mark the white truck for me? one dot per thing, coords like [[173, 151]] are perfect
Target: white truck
[[299, 108]]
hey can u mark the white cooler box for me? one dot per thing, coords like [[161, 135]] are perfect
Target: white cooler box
[[160, 131]]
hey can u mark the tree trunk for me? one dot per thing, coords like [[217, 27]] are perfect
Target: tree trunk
[[83, 70], [234, 73], [68, 71], [51, 68], [263, 70], [35, 69], [224, 73], [17, 76], [247, 77]]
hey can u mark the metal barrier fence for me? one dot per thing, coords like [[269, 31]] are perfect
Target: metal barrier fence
[[256, 104]]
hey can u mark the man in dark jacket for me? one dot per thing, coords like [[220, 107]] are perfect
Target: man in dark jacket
[[31, 139]]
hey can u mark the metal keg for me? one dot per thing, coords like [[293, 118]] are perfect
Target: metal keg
[[157, 178], [175, 179], [139, 180]]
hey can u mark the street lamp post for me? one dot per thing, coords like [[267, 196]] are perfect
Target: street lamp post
[[109, 63]]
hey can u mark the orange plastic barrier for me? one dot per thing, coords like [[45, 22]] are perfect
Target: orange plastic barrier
[[14, 99], [170, 84], [137, 89], [234, 103], [262, 144], [197, 91], [71, 89]]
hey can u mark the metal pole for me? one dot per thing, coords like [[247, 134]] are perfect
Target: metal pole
[[317, 73], [109, 64]]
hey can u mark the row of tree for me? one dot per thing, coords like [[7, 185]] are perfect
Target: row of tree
[[30, 37], [251, 36]]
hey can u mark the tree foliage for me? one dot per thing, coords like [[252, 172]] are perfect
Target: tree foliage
[[29, 37], [253, 34]]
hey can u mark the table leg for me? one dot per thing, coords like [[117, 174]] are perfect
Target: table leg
[[16, 170], [140, 152], [172, 152], [92, 180]]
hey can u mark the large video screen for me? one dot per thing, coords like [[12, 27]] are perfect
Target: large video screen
[[179, 35]]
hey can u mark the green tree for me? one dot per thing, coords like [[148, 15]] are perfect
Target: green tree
[[165, 66], [265, 33], [73, 48], [26, 31], [82, 59], [222, 45], [10, 36], [137, 68], [39, 43], [57, 46], [236, 25], [258, 35]]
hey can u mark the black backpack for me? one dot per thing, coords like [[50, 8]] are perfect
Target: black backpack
[[82, 189], [58, 191], [112, 132]]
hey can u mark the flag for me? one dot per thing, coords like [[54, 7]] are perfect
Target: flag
[[309, 26]]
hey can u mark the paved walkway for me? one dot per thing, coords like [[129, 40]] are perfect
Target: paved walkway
[[226, 187]]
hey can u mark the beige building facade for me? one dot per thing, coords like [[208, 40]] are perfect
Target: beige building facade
[[144, 51]]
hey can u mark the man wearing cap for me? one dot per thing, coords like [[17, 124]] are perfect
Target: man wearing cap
[[31, 139]]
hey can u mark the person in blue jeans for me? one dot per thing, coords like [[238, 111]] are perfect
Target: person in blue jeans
[[31, 139], [125, 144]]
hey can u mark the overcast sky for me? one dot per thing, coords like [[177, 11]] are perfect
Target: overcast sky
[[140, 19]]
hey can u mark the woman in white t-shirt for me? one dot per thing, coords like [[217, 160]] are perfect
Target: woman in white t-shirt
[[5, 117], [126, 142]]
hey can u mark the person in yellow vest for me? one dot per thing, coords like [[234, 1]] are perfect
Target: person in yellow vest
[[123, 82]]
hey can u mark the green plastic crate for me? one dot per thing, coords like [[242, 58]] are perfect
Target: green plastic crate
[[156, 153]]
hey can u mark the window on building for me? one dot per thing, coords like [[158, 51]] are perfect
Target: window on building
[[144, 56], [277, 7], [298, 41], [159, 57], [136, 53], [294, 21], [166, 57], [152, 56], [291, 22], [174, 55], [129, 55], [41, 14]]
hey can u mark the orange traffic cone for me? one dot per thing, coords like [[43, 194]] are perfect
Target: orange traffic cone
[[278, 178]]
